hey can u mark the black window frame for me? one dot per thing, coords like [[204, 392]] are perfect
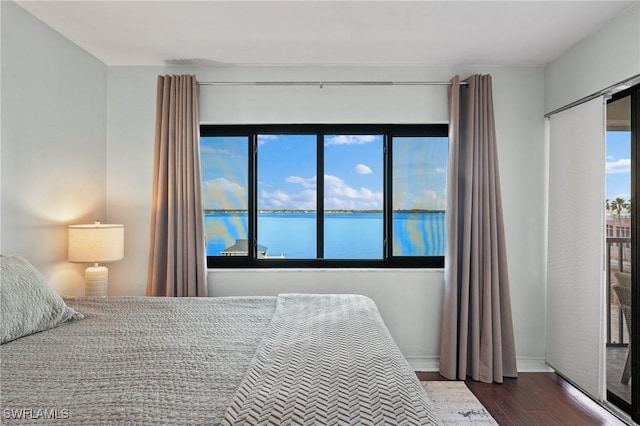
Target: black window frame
[[388, 131]]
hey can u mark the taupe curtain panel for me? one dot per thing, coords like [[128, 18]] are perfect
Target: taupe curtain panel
[[477, 333], [177, 265]]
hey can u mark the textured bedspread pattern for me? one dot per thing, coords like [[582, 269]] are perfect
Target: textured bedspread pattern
[[135, 360], [329, 360]]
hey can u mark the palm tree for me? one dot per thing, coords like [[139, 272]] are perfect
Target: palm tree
[[618, 206]]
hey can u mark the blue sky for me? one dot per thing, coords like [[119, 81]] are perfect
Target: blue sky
[[618, 165], [353, 172], [224, 172]]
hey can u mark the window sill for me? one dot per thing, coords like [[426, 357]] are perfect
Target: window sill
[[316, 270]]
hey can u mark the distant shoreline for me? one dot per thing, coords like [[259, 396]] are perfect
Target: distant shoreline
[[210, 211]]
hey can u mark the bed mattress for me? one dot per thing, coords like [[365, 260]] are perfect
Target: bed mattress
[[291, 359], [136, 360]]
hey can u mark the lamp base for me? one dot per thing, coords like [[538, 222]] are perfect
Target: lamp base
[[96, 279]]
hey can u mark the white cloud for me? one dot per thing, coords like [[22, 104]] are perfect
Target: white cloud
[[350, 139], [432, 201], [220, 193], [213, 151], [304, 200], [438, 171], [623, 165], [274, 200], [262, 139], [305, 182], [340, 196], [363, 169], [427, 200]]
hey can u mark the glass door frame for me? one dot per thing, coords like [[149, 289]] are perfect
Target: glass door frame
[[633, 409], [634, 92]]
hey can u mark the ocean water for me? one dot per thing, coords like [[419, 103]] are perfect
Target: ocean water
[[350, 235]]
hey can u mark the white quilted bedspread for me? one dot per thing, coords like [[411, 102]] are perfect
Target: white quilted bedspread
[[295, 359], [329, 360], [134, 360]]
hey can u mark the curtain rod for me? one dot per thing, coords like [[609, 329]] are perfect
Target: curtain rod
[[321, 84]]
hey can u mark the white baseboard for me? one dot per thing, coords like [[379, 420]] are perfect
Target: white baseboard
[[533, 365], [424, 363], [525, 364]]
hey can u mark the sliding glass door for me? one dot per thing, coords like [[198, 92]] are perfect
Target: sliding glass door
[[618, 249], [621, 258]]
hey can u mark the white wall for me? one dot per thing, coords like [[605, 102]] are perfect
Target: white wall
[[603, 59], [408, 300], [53, 144], [60, 104], [0, 131]]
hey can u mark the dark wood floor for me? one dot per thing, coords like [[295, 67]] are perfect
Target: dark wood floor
[[536, 399]]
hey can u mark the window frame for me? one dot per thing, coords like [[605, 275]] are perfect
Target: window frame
[[388, 131]]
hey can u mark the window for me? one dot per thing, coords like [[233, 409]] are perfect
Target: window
[[380, 201]]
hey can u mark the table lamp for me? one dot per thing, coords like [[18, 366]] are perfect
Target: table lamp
[[96, 243]]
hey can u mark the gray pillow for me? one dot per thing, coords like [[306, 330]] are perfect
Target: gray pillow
[[27, 303]]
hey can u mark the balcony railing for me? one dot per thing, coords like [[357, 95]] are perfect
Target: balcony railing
[[618, 259]]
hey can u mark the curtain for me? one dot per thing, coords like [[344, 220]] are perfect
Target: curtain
[[477, 333], [177, 262]]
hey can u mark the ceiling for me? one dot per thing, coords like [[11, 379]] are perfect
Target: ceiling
[[303, 32]]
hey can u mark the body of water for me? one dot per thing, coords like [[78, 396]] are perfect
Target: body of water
[[349, 235]]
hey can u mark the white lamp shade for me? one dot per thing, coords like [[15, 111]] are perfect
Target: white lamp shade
[[96, 243]]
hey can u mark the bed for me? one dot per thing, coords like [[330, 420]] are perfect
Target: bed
[[290, 359]]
